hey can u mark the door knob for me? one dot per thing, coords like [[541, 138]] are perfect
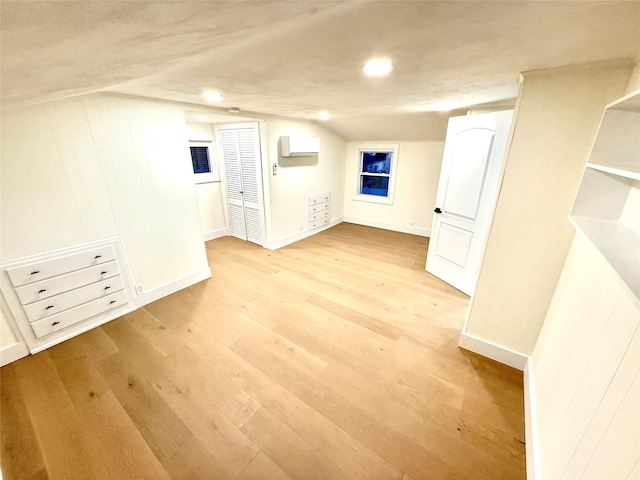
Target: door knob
[[437, 210]]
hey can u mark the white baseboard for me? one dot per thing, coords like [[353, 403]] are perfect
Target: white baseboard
[[283, 242], [14, 352], [531, 437], [172, 287], [423, 232], [493, 351], [212, 235]]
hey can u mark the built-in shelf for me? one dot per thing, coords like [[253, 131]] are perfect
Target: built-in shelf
[[607, 206], [617, 144], [619, 245], [614, 171]]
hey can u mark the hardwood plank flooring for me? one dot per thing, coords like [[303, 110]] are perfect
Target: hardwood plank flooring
[[332, 358]]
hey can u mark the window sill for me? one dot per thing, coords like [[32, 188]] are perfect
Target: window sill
[[373, 199], [206, 178]]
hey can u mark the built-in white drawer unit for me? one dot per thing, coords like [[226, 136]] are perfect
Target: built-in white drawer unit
[[57, 266], [318, 215], [319, 224], [55, 285], [318, 207], [78, 314], [318, 210], [51, 306], [57, 295]]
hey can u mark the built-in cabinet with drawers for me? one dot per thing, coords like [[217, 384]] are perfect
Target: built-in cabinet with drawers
[[57, 295], [319, 210]]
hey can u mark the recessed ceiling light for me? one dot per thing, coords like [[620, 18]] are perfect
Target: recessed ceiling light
[[203, 118], [377, 68], [212, 96], [324, 115]]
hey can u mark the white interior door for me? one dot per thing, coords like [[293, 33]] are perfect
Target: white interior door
[[471, 163], [240, 146]]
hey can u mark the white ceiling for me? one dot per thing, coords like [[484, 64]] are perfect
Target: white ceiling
[[296, 58]]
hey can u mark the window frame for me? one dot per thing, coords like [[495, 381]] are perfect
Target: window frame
[[392, 148], [214, 174]]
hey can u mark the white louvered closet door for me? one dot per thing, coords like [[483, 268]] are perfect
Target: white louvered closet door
[[241, 156]]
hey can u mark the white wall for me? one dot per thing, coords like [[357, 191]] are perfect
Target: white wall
[[7, 337], [82, 170], [417, 175], [583, 374], [53, 192], [286, 193], [557, 116], [210, 204]]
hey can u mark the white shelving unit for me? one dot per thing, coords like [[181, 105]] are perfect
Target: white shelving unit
[[607, 206]]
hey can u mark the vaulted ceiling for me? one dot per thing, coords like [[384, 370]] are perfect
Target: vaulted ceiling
[[296, 58]]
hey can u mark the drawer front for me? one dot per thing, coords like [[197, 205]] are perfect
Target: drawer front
[[318, 215], [39, 271], [63, 283], [77, 314], [319, 199], [319, 207], [319, 223], [51, 306]]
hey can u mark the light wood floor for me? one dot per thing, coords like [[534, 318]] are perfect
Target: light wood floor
[[333, 358]]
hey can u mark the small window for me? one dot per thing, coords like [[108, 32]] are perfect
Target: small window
[[203, 162], [376, 170], [200, 159]]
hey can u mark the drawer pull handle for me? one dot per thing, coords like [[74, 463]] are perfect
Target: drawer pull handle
[[35, 271], [42, 290], [48, 307], [55, 323], [97, 257], [103, 272], [112, 301], [107, 287]]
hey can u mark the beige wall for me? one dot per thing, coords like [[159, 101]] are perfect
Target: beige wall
[[83, 170], [634, 82], [286, 193], [417, 175], [557, 116], [583, 374], [401, 127], [210, 202]]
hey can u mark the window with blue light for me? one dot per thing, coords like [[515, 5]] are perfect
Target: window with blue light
[[203, 161], [375, 172], [200, 159]]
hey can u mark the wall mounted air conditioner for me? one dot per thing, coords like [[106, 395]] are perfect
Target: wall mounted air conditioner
[[299, 146]]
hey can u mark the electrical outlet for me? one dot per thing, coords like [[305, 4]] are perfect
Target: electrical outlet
[[139, 289], [412, 224]]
